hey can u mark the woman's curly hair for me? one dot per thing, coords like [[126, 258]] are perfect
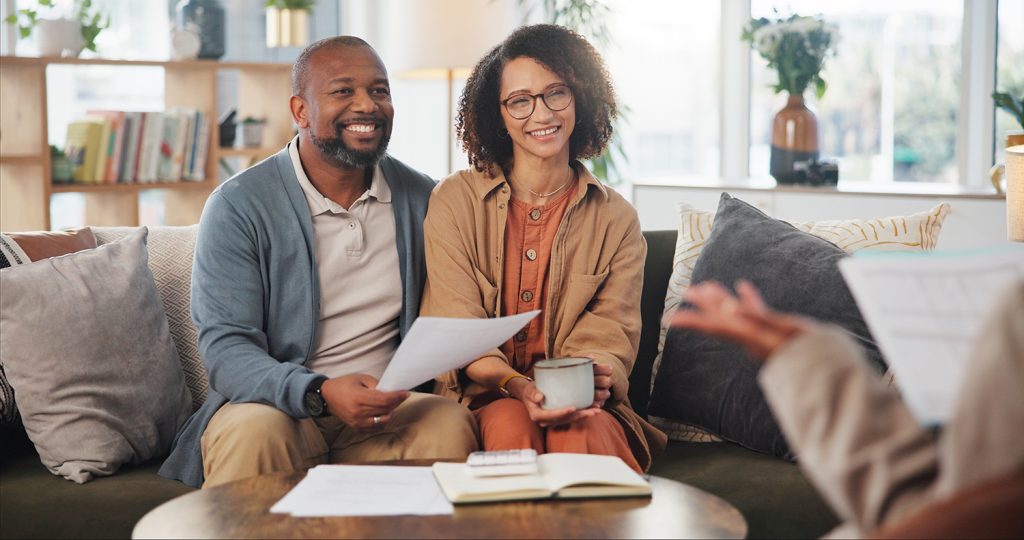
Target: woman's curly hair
[[479, 124]]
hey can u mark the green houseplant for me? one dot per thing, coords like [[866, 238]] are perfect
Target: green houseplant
[[1011, 104], [89, 21]]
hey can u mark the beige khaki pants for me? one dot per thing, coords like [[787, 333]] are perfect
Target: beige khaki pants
[[248, 439]]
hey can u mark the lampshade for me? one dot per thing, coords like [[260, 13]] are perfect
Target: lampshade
[[1015, 192], [431, 38]]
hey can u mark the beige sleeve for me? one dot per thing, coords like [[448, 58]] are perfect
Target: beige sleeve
[[855, 440], [985, 439]]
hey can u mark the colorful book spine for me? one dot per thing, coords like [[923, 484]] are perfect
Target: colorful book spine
[[82, 146]]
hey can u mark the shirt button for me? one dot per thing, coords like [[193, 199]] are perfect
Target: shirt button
[[521, 336], [351, 225], [501, 205], [535, 214], [527, 296], [531, 254], [504, 189]]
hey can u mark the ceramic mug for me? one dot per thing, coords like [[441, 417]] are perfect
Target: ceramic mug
[[565, 382]]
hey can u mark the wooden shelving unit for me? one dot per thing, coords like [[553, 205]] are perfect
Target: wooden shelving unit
[[25, 180]]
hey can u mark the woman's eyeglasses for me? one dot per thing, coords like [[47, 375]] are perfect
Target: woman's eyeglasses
[[556, 98]]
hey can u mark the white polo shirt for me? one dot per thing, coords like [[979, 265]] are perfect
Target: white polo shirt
[[360, 284]]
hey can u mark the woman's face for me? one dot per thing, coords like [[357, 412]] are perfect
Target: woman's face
[[545, 133]]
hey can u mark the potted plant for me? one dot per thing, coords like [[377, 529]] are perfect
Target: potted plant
[[60, 35], [288, 22], [796, 47], [250, 132]]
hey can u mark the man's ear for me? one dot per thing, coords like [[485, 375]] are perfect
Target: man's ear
[[300, 111]]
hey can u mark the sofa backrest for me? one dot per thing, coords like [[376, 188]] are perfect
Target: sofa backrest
[[170, 258], [661, 247]]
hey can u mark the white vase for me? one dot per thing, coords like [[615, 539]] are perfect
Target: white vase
[[59, 37]]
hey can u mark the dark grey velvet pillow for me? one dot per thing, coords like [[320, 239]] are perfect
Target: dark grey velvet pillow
[[712, 383]]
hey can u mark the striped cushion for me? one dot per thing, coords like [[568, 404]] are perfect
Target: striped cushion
[[915, 232]]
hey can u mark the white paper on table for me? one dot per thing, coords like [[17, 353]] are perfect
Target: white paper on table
[[925, 312], [435, 345], [363, 490]]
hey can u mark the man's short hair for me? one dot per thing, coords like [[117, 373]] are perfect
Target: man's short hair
[[300, 70]]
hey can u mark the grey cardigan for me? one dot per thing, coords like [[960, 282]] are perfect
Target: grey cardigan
[[255, 292]]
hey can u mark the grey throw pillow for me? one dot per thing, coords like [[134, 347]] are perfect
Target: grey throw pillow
[[712, 383], [87, 349]]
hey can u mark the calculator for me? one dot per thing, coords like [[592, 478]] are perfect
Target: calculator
[[502, 462]]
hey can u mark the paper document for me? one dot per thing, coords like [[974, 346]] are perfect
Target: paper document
[[363, 490], [925, 312], [435, 345]]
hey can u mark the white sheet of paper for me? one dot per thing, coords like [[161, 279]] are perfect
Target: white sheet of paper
[[362, 490], [925, 312], [435, 345]]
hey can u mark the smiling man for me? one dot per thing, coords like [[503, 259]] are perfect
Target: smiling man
[[308, 271]]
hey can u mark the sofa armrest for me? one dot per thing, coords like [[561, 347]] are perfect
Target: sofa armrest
[[661, 247]]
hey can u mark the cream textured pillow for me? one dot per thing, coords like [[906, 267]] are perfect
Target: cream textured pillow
[[915, 232]]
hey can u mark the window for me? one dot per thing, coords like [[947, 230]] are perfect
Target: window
[[893, 93], [665, 70], [1009, 67]]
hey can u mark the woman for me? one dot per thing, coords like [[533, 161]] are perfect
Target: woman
[[528, 227]]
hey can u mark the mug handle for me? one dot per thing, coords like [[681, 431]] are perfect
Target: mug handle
[[995, 174]]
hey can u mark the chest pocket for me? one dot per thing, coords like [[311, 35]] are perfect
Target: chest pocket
[[580, 292]]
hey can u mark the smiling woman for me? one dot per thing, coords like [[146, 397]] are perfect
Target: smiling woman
[[529, 228]]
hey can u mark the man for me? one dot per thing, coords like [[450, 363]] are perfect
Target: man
[[858, 443], [300, 295]]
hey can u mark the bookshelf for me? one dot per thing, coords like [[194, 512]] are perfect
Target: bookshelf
[[26, 185]]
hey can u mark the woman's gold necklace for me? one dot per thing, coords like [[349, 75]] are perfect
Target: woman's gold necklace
[[572, 175]]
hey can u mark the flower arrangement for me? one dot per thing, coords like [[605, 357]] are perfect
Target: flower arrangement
[[796, 48]]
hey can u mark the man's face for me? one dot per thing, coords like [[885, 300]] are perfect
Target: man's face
[[347, 106]]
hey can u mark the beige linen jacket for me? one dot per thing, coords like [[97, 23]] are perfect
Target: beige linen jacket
[[593, 290], [859, 444]]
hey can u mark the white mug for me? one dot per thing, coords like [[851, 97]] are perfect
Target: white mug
[[565, 382]]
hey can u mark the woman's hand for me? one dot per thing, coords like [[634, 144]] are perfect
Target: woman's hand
[[744, 318], [602, 385], [526, 391]]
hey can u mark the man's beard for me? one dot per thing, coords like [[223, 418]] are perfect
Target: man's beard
[[335, 148]]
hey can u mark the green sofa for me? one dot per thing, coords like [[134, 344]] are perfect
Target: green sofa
[[773, 495]]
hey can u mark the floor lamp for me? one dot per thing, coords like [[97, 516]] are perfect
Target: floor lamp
[[444, 39]]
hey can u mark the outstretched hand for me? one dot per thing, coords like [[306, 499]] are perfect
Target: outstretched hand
[[356, 401], [744, 318]]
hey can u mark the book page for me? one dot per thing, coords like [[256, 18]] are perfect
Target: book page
[[459, 486], [589, 475], [364, 490], [925, 311]]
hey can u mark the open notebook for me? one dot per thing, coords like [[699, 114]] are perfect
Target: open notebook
[[559, 476]]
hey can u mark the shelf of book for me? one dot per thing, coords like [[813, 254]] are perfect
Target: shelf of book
[[26, 181]]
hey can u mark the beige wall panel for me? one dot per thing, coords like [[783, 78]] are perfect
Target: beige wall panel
[[112, 209], [23, 198], [22, 118]]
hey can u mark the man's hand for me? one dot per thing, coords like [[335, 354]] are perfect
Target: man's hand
[[527, 392], [356, 401], [744, 319]]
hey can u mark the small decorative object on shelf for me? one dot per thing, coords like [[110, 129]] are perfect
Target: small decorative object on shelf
[[60, 166], [250, 132], [1014, 106], [208, 16], [60, 34], [796, 47], [185, 42], [288, 22]]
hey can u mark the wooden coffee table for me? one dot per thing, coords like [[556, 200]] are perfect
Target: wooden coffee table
[[241, 510]]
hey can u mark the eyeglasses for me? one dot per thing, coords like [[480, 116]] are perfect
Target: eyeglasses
[[556, 98]]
